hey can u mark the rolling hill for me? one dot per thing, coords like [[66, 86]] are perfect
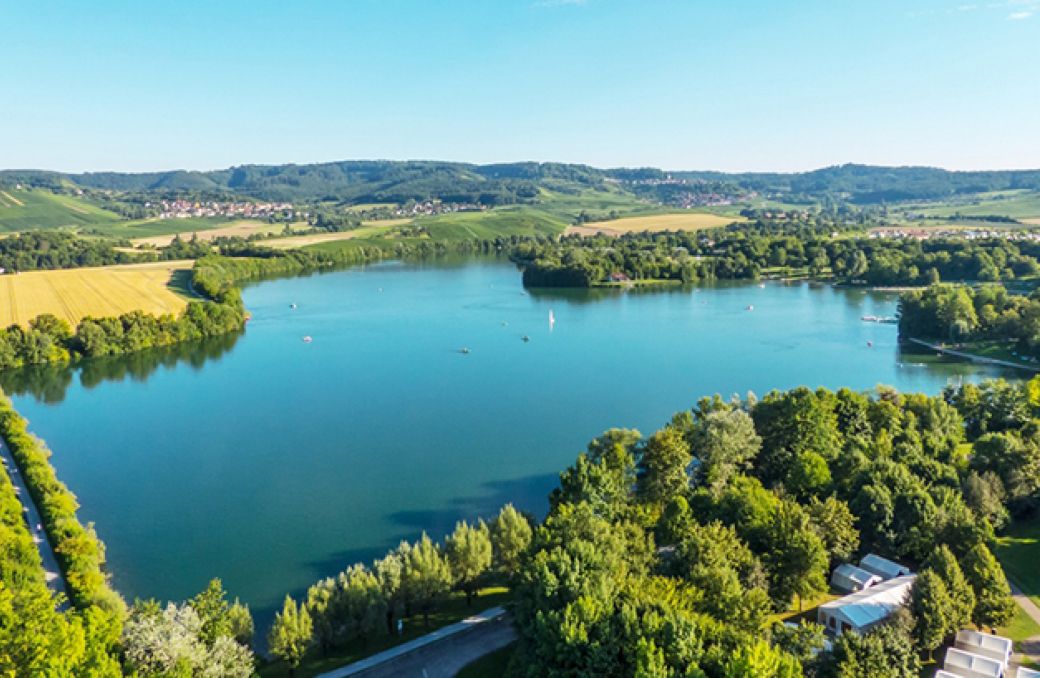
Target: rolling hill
[[23, 209]]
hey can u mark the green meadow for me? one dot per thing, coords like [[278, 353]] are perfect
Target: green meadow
[[32, 209]]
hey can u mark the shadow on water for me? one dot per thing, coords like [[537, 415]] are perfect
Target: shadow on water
[[49, 383]]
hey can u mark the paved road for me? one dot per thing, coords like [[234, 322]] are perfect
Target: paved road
[[439, 654], [1031, 646], [52, 572]]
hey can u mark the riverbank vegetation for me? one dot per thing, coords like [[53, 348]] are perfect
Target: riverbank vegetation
[[967, 316], [750, 253], [413, 589], [668, 554]]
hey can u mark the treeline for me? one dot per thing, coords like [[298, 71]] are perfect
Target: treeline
[[667, 555], [363, 603], [959, 313], [54, 249], [35, 638], [749, 253], [79, 551]]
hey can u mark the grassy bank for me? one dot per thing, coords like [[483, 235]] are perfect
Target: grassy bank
[[490, 665], [80, 553], [451, 611], [1019, 552]]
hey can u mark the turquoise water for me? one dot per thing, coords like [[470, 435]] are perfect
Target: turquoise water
[[271, 462]]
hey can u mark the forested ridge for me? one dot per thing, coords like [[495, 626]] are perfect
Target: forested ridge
[[506, 183]]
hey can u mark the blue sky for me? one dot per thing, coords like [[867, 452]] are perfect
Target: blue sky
[[692, 84]]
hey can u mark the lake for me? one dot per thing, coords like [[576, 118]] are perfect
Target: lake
[[272, 462]]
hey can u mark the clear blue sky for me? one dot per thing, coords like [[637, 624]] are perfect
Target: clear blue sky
[[693, 84]]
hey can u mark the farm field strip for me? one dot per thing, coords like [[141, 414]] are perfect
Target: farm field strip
[[72, 294], [687, 221], [238, 229]]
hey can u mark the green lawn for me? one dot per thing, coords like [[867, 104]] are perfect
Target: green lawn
[[453, 610], [33, 209], [1019, 553], [1015, 204], [490, 665], [146, 228]]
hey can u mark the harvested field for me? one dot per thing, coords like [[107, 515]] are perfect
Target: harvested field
[[683, 221], [239, 229], [73, 294]]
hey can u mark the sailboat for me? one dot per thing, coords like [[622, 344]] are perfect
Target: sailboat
[[552, 319]]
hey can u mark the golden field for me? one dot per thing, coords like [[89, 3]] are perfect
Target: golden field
[[238, 229], [684, 221], [73, 294]]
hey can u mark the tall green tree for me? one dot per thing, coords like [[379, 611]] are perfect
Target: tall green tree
[[932, 609], [796, 558], [291, 634], [426, 576], [664, 462], [994, 605], [836, 526], [468, 550], [725, 443], [510, 535], [962, 597]]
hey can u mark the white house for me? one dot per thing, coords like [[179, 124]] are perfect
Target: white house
[[883, 567], [994, 647], [1023, 672], [945, 674], [859, 612], [968, 665], [848, 578]]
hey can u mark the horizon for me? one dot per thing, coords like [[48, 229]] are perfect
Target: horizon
[[519, 162], [750, 87]]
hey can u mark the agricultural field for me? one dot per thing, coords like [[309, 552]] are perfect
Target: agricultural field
[[1022, 205], [501, 221], [23, 209], [233, 229], [73, 294], [372, 229], [683, 221]]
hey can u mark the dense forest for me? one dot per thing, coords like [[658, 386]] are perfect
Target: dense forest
[[667, 555], [959, 313], [747, 253], [366, 181]]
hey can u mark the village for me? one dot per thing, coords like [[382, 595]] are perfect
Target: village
[[188, 209]]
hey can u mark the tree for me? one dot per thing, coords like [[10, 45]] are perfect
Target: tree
[[510, 535], [725, 442], [362, 603], [836, 526], [759, 659], [984, 494], [994, 605], [469, 554], [962, 597], [291, 634], [932, 609], [795, 557], [426, 576], [885, 652], [664, 461], [808, 474]]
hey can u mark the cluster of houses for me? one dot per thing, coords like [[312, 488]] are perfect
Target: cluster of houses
[[877, 587], [933, 233], [185, 209], [430, 207]]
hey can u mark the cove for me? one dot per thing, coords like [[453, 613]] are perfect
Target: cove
[[271, 462]]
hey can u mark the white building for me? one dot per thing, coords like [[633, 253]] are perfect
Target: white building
[[968, 665], [1027, 673], [984, 644], [848, 578], [883, 567], [859, 612]]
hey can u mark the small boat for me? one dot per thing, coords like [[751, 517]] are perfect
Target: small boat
[[761, 286], [505, 324], [307, 339], [552, 319], [750, 307], [292, 306], [464, 350], [525, 338], [870, 344]]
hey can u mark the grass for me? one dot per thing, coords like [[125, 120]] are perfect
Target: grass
[[490, 665], [1020, 204], [33, 209], [73, 294], [453, 610], [1019, 552], [371, 229], [680, 221], [489, 224]]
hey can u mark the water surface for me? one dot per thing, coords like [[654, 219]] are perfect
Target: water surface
[[271, 462]]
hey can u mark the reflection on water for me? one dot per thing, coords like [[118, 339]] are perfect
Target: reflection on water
[[49, 383]]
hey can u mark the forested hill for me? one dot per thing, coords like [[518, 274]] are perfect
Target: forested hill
[[399, 181]]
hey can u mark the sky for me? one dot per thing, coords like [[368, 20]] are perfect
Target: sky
[[735, 85]]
